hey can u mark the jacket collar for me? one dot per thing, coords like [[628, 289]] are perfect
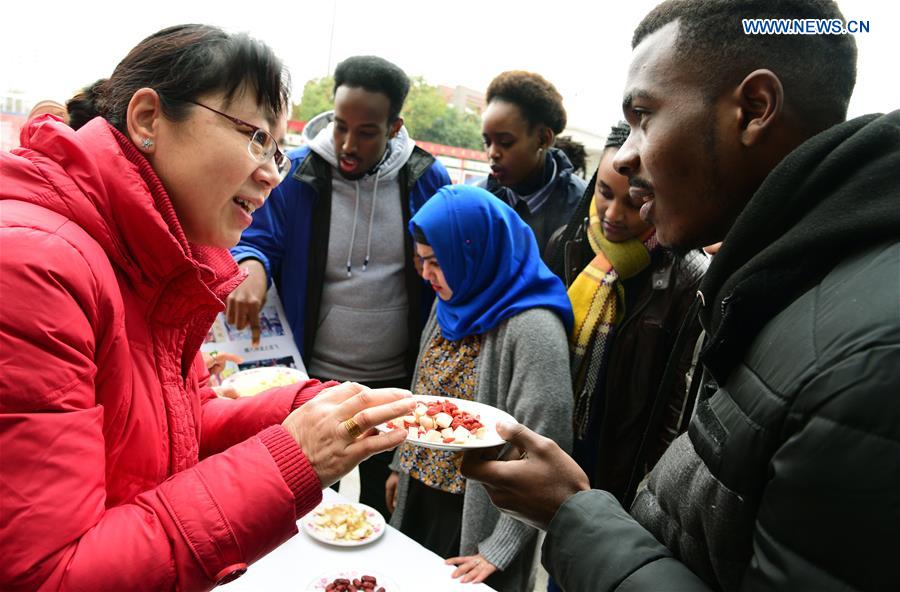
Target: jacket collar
[[316, 172], [834, 195], [112, 192]]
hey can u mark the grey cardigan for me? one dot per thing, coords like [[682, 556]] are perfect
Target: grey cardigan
[[523, 369]]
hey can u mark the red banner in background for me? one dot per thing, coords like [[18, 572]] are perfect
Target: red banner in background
[[454, 151]]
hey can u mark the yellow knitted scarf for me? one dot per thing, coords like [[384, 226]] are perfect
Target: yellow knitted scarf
[[598, 301]]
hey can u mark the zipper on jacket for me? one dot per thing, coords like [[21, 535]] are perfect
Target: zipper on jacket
[[644, 304], [724, 307]]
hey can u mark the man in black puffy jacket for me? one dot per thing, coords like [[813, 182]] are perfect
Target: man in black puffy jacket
[[789, 475]]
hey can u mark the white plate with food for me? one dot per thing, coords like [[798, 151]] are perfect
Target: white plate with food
[[444, 423], [344, 525], [349, 578], [256, 380]]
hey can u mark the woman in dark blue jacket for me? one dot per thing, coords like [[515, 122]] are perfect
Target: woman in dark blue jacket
[[519, 125]]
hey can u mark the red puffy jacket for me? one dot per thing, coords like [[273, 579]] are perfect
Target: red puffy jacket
[[105, 412]]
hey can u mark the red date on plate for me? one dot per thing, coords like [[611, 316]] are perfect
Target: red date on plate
[[360, 584]]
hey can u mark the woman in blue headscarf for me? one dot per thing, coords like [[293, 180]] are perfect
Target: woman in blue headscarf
[[497, 335]]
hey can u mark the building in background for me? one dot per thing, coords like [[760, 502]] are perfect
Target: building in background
[[14, 108], [462, 164], [463, 98], [294, 136]]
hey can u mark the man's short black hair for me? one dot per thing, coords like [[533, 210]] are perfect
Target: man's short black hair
[[375, 75], [818, 72]]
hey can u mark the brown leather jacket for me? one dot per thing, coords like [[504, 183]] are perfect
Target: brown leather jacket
[[656, 303]]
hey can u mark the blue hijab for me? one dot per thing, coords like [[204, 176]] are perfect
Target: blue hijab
[[490, 260]]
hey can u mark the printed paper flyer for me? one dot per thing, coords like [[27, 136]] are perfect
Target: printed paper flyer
[[276, 344]]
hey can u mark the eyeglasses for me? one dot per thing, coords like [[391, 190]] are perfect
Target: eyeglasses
[[262, 145]]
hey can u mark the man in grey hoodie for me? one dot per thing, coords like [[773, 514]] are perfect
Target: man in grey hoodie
[[333, 238]]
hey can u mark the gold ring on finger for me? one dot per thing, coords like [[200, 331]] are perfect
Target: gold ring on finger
[[352, 428]]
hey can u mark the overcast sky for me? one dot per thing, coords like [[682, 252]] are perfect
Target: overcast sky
[[582, 47]]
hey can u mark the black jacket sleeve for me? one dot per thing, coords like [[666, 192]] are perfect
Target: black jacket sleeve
[[829, 513], [593, 545]]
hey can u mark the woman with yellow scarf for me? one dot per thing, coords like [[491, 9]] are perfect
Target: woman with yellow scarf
[[629, 298]]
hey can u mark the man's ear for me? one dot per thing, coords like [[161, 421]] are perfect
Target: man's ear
[[395, 126], [760, 102], [142, 119]]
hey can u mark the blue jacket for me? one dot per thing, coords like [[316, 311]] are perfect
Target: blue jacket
[[289, 236]]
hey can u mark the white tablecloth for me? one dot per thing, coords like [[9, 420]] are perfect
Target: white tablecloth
[[300, 560]]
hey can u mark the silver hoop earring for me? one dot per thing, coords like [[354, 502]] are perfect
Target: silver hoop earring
[[147, 143]]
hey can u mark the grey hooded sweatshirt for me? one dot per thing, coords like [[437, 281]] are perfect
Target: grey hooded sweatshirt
[[362, 332]]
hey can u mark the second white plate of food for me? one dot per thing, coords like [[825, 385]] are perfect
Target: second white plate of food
[[344, 525], [256, 380], [444, 423]]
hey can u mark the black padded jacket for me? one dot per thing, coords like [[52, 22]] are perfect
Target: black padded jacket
[[789, 475]]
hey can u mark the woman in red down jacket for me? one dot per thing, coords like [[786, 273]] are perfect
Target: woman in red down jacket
[[121, 470]]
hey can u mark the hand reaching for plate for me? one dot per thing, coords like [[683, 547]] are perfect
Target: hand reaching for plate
[[336, 431], [532, 481]]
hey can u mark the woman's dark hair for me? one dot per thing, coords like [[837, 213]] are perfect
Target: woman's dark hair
[[617, 135], [539, 100], [82, 107], [374, 74], [575, 151], [184, 62], [419, 235]]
